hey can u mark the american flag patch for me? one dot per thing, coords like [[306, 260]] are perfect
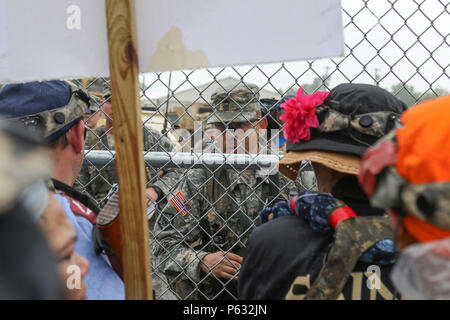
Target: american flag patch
[[181, 204]]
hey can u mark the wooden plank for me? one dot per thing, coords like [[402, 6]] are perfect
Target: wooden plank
[[128, 139]]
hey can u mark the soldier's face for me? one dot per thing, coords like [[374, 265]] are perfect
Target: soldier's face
[[91, 120], [107, 109], [238, 137]]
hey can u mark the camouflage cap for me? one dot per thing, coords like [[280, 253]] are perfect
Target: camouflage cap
[[93, 85], [51, 107], [106, 91], [235, 104], [94, 105]]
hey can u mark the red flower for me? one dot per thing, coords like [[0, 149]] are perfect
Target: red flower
[[300, 115]]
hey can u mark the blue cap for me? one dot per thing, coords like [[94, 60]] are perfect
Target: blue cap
[[24, 99], [46, 99]]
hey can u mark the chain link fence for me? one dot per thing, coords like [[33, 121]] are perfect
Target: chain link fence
[[402, 46]]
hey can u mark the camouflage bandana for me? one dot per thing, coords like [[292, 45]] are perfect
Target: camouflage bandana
[[429, 202], [106, 94], [388, 190], [353, 237], [51, 121], [374, 124]]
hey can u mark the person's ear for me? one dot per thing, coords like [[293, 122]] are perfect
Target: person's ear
[[262, 125], [76, 137]]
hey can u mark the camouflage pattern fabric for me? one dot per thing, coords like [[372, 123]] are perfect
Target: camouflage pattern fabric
[[235, 104], [437, 197], [377, 123], [353, 237], [224, 210], [225, 207], [53, 120], [305, 181], [331, 120], [99, 179], [161, 287], [95, 104], [105, 219], [429, 202]]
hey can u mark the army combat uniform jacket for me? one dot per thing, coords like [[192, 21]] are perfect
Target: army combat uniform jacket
[[223, 211]]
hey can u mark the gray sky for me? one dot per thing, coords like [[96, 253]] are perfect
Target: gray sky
[[377, 19]]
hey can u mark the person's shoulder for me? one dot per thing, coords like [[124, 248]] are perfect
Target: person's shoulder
[[151, 133], [287, 229], [66, 206], [283, 222], [155, 137], [278, 226]]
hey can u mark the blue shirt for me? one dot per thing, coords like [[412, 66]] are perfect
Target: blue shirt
[[102, 282], [281, 141]]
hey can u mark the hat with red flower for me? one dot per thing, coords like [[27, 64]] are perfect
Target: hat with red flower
[[335, 128]]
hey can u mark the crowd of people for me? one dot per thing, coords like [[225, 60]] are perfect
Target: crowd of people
[[373, 222]]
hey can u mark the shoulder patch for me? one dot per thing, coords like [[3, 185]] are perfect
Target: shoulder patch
[[81, 210], [181, 204]]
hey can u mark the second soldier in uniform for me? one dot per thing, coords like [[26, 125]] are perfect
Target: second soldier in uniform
[[202, 231]]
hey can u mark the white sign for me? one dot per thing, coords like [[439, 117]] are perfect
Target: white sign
[[49, 39]]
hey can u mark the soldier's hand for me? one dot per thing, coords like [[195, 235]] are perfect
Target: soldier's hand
[[222, 265]]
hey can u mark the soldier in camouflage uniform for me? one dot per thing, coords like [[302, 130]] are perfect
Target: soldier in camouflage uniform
[[91, 119], [199, 245], [98, 180]]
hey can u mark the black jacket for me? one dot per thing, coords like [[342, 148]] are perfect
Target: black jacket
[[284, 256]]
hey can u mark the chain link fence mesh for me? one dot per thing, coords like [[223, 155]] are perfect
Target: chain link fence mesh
[[402, 46]]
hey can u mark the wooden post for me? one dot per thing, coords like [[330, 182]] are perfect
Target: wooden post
[[128, 139]]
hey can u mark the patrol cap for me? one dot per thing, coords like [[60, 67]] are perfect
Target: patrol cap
[[236, 104], [52, 107], [106, 91]]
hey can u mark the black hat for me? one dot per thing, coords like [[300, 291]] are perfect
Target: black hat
[[351, 118]]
